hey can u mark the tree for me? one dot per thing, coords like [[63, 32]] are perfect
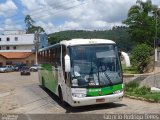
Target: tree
[[140, 57], [30, 28], [141, 22], [119, 34], [33, 29], [29, 23]]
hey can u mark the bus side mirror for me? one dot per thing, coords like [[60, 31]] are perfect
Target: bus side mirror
[[67, 63]]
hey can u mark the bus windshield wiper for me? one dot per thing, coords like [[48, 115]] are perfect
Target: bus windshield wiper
[[108, 78]]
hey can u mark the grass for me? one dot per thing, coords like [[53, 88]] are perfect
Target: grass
[[133, 89], [129, 70]]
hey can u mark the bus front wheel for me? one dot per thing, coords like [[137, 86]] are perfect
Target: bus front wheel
[[61, 97]]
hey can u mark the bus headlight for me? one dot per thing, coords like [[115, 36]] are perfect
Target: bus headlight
[[79, 92], [118, 91], [79, 95]]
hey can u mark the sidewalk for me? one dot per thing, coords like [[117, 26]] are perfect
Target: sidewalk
[[151, 79], [156, 71]]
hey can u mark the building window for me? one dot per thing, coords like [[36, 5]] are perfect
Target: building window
[[8, 39], [16, 38], [14, 47], [8, 62], [7, 48], [0, 39], [0, 48]]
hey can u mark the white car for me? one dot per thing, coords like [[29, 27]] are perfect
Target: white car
[[34, 68], [6, 68]]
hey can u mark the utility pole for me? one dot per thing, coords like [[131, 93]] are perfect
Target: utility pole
[[155, 46], [36, 43], [155, 88]]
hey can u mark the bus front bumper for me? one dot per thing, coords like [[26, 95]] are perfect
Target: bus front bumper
[[96, 100]]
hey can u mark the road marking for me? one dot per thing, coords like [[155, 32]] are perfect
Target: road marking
[[4, 94]]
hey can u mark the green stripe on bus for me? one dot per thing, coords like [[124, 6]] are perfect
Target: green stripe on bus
[[103, 91], [48, 76]]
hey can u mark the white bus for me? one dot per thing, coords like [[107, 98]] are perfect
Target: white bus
[[82, 71]]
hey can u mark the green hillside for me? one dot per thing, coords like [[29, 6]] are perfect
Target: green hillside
[[117, 34]]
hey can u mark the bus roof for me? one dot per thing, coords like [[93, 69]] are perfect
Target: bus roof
[[86, 41], [80, 41]]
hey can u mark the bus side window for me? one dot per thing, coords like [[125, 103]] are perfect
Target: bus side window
[[57, 57], [53, 57]]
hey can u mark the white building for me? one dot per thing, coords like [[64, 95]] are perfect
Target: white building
[[17, 41], [17, 47], [9, 32]]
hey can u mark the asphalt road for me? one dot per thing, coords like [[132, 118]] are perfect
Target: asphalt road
[[23, 95]]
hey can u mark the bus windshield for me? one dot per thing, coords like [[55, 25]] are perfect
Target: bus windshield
[[95, 65]]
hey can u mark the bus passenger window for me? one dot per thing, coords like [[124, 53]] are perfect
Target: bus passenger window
[[58, 54], [53, 57]]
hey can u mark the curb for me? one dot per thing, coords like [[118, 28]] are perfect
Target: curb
[[142, 99], [136, 75]]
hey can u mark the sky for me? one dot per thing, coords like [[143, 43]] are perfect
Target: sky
[[60, 15]]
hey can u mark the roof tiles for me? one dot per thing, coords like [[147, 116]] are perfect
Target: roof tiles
[[15, 55]]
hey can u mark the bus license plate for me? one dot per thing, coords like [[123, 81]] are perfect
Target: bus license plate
[[100, 100]]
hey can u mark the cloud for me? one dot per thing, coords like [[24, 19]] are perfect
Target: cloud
[[156, 2], [9, 25], [49, 27], [78, 14], [70, 26], [33, 4], [1, 30], [8, 8], [58, 15]]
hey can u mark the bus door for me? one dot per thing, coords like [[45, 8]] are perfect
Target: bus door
[[65, 76], [55, 67]]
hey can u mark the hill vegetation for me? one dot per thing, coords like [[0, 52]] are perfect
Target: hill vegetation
[[118, 34]]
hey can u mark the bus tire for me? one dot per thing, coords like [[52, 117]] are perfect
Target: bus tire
[[61, 97]]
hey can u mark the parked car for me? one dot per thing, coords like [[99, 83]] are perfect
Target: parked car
[[18, 67], [3, 69], [25, 70], [34, 68], [6, 68]]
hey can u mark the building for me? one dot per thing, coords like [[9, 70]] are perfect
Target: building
[[11, 58], [16, 41], [43, 40], [19, 47]]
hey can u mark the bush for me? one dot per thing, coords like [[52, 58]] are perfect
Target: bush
[[140, 57], [142, 90], [129, 70], [131, 86]]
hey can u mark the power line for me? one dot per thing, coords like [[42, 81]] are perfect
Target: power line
[[22, 20], [40, 10]]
